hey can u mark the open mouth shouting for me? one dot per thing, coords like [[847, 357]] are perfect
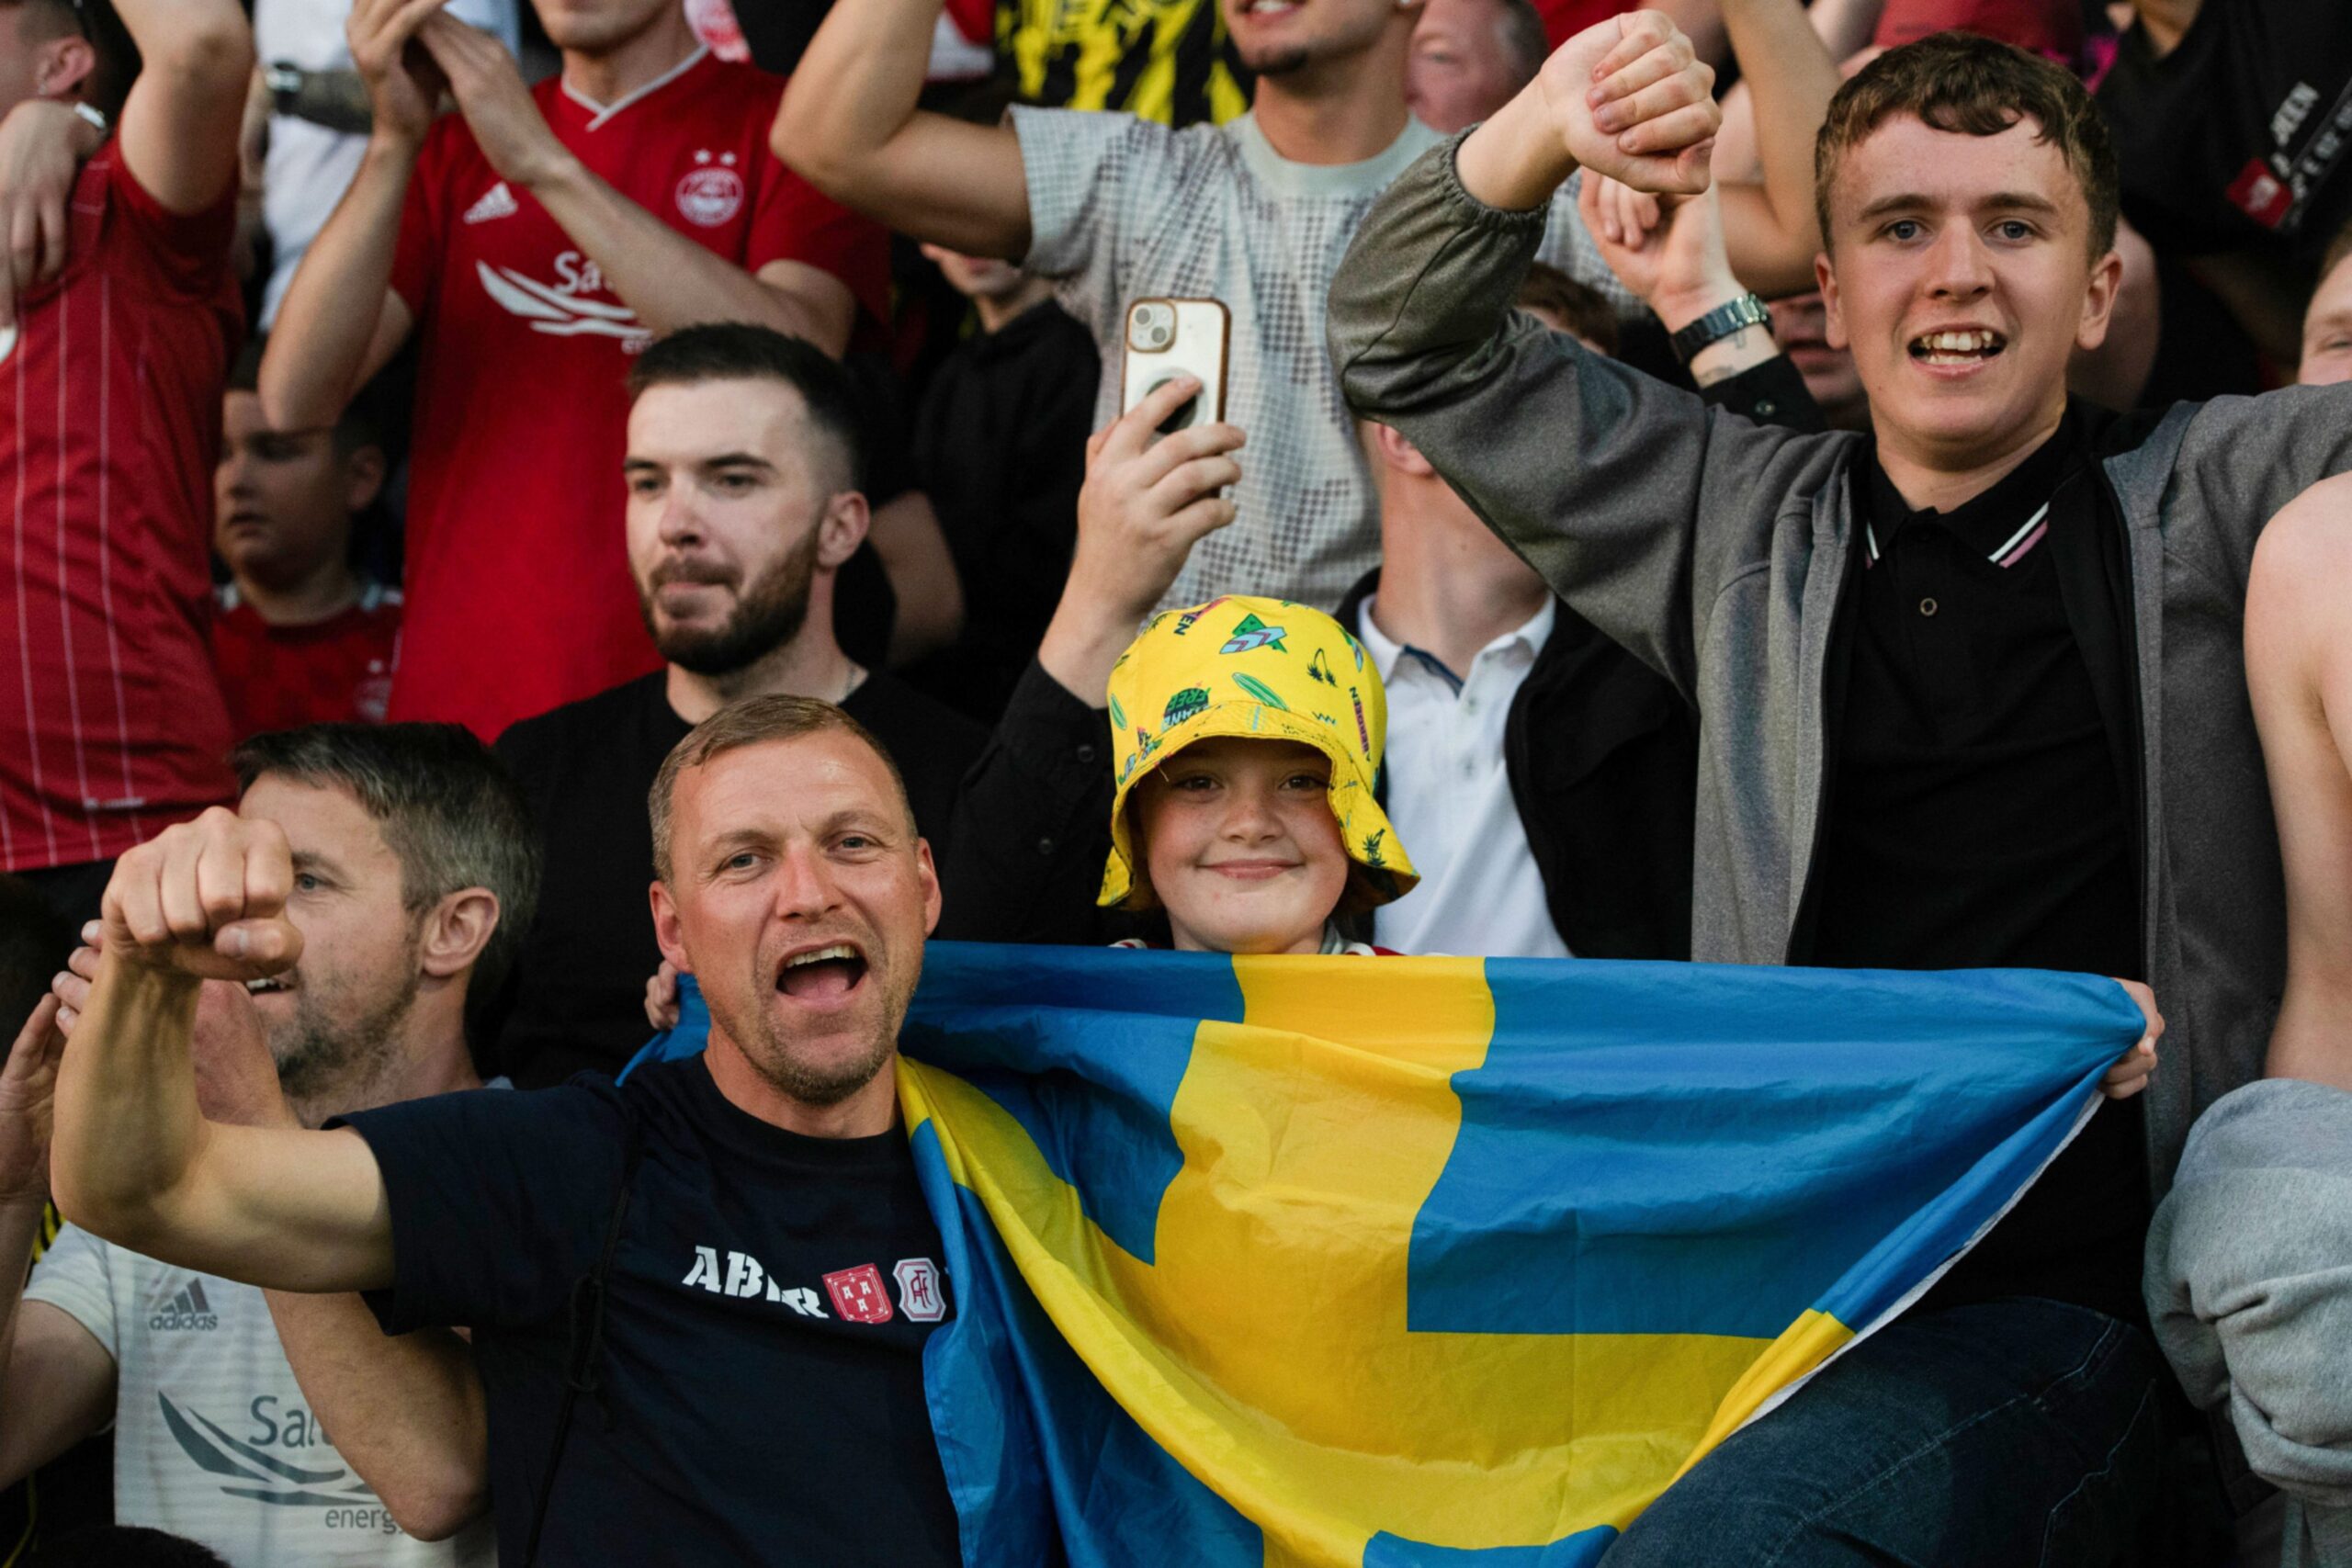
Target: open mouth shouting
[[824, 976], [1957, 347], [268, 985]]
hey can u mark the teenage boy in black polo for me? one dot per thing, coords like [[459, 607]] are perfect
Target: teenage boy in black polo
[[1971, 695]]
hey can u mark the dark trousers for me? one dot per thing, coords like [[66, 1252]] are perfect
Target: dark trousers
[[1997, 1435]]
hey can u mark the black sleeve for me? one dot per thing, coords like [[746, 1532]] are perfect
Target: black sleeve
[[1033, 824], [1771, 393], [497, 1199]]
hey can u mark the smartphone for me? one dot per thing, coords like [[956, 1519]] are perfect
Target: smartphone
[[1166, 338]]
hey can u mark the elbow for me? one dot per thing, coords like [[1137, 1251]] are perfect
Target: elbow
[[808, 140], [434, 1507], [212, 46]]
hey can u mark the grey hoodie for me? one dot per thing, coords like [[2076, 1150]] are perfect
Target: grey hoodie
[[1716, 551]]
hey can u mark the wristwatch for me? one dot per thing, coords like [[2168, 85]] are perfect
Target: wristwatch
[[1717, 324], [283, 79]]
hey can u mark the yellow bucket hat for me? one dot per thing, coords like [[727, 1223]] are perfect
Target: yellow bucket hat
[[1262, 669]]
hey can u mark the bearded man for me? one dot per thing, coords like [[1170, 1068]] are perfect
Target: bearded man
[[743, 473], [409, 867]]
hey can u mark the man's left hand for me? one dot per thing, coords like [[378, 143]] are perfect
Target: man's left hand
[[2136, 1066], [496, 102]]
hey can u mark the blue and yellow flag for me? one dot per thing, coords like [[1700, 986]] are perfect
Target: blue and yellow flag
[[1431, 1262]]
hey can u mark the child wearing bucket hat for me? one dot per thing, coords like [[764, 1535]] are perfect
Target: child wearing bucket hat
[[1249, 734]]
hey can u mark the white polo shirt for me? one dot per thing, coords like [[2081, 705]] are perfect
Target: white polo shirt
[[1449, 798]]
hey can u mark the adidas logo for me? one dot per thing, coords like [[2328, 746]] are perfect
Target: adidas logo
[[189, 1309], [496, 202]]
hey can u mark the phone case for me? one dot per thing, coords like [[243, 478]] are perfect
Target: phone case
[[1168, 336]]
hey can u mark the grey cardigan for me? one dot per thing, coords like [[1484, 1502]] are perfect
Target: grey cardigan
[[1715, 550]]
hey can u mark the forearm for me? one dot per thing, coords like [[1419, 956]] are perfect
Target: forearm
[[1792, 77], [2313, 1039], [407, 1411], [666, 279], [129, 1129], [319, 351], [1516, 160], [19, 1228], [335, 99]]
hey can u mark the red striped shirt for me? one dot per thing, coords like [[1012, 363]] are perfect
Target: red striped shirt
[[111, 723]]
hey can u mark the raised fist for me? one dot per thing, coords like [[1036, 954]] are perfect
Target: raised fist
[[1629, 100], [205, 899]]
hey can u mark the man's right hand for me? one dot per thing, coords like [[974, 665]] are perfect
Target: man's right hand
[[42, 145], [404, 84], [205, 899]]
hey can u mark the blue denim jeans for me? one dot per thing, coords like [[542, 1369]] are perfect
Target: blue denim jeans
[[1997, 1435]]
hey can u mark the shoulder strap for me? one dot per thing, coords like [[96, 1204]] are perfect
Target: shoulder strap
[[584, 1338]]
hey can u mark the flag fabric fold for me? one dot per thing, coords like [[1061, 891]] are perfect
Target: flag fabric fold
[[1418, 1263]]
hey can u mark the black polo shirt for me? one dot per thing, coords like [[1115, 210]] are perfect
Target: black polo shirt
[[1983, 806]]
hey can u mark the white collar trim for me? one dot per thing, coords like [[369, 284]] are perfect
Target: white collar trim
[[600, 113]]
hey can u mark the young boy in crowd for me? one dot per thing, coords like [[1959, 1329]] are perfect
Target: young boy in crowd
[[1249, 734], [301, 636]]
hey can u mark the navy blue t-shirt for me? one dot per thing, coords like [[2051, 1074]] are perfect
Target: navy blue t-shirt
[[762, 1392]]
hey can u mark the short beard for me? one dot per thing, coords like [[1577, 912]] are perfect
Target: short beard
[[769, 613], [1283, 63], [323, 1061]]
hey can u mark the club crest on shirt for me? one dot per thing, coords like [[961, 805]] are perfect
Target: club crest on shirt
[[918, 1295], [712, 192], [859, 1296]]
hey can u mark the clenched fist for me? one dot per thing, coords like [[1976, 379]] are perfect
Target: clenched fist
[[205, 899]]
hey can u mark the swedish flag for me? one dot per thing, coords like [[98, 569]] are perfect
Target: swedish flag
[[1433, 1261]]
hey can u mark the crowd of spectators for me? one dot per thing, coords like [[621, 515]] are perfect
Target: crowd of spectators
[[430, 429]]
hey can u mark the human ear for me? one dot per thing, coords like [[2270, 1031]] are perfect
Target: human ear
[[842, 529], [457, 931], [1833, 318], [363, 478], [2099, 301], [669, 933]]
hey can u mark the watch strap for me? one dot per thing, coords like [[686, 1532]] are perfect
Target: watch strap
[[1717, 324]]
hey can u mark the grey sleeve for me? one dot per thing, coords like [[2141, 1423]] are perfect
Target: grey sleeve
[[2242, 459], [2249, 1282], [1632, 499]]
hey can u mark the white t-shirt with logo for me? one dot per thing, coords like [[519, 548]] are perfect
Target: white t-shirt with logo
[[213, 1439], [1123, 209]]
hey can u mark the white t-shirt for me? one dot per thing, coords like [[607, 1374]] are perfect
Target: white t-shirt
[[213, 1439], [1449, 798], [1122, 209], [309, 167]]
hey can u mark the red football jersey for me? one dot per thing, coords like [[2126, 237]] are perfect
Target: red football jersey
[[518, 591], [111, 726], [336, 671]]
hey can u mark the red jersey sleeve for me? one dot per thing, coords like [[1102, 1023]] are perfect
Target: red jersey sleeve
[[792, 220], [189, 251], [416, 256]]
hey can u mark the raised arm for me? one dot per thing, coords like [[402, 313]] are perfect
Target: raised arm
[[57, 1382], [180, 123], [340, 321], [2299, 672], [1771, 230], [849, 126], [670, 281], [134, 1160]]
